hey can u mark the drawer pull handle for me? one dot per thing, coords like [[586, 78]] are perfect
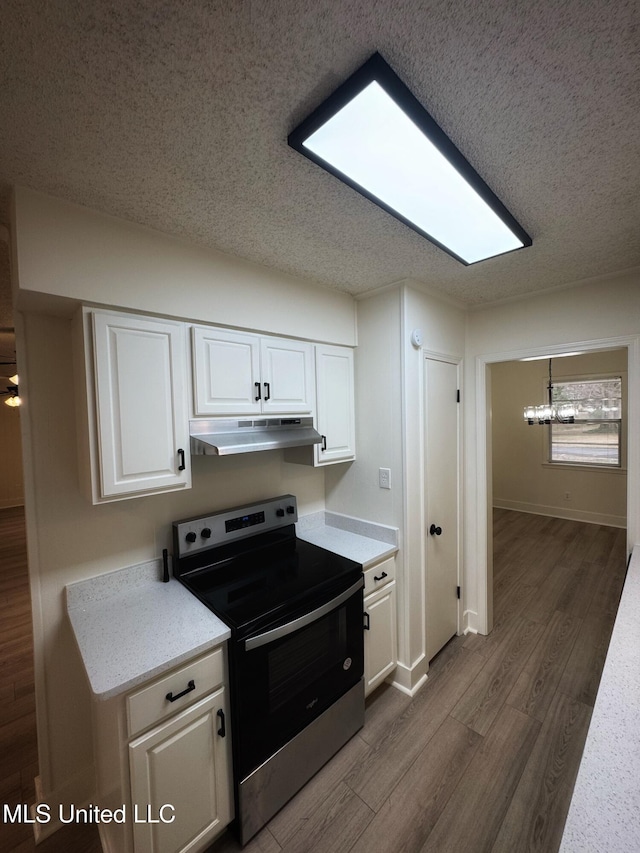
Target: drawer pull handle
[[267, 390], [381, 578], [258, 394], [367, 622], [222, 731], [181, 466], [190, 686]]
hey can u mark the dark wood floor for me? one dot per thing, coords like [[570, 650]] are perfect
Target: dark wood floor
[[483, 759]]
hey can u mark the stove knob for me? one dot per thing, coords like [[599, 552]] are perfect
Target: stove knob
[[280, 513], [205, 532], [191, 536], [291, 510]]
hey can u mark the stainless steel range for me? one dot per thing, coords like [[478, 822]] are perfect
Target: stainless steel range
[[296, 653]]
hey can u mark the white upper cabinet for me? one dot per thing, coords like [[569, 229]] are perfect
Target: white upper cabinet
[[336, 407], [243, 374], [288, 386], [140, 438], [226, 369]]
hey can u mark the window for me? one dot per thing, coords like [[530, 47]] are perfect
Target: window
[[595, 437]]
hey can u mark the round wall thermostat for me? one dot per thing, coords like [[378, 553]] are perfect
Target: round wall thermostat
[[416, 337]]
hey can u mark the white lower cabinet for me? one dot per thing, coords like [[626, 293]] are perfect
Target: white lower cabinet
[[180, 777], [163, 759], [380, 638]]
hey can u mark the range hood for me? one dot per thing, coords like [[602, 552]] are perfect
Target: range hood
[[226, 436]]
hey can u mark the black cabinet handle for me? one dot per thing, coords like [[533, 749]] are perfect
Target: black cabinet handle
[[433, 530], [222, 731], [324, 442], [181, 466], [367, 622], [190, 686], [267, 391], [382, 577], [258, 394]]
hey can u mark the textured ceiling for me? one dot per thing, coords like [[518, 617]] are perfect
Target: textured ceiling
[[176, 115]]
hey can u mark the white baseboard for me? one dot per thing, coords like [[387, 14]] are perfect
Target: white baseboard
[[469, 622], [73, 793], [562, 512], [410, 679]]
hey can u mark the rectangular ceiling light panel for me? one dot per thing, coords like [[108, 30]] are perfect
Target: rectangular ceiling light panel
[[375, 136]]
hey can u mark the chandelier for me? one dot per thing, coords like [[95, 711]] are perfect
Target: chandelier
[[550, 412]]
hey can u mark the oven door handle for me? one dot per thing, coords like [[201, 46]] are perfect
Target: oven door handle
[[301, 621]]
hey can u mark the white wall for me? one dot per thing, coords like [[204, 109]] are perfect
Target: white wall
[[378, 422], [11, 482], [443, 331], [61, 251], [69, 251], [522, 477], [600, 314], [389, 426]]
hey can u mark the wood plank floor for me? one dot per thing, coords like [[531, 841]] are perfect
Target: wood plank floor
[[484, 758], [18, 745]]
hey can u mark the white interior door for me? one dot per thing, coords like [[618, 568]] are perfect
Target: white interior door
[[441, 478]]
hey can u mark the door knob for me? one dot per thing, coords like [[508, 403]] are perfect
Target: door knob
[[433, 530]]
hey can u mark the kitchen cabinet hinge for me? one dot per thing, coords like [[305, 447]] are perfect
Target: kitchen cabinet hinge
[[458, 396], [458, 591]]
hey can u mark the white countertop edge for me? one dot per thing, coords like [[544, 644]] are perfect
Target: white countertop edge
[[169, 664], [605, 807]]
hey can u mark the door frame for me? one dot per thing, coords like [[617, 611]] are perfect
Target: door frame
[[483, 451], [457, 361]]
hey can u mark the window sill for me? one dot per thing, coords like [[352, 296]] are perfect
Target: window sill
[[569, 466]]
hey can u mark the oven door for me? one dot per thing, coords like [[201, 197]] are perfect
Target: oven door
[[287, 675]]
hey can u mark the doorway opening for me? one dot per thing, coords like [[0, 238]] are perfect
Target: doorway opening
[[622, 514], [555, 483]]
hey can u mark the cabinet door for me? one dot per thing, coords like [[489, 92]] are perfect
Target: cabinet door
[[380, 645], [183, 766], [288, 385], [226, 368], [141, 404], [336, 407]]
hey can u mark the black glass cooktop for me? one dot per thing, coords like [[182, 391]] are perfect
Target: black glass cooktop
[[268, 579]]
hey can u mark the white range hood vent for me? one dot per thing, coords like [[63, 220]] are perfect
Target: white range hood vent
[[227, 436]]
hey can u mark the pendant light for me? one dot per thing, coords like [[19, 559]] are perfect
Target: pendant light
[[550, 412]]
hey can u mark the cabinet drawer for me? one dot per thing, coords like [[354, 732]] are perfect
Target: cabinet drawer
[[150, 704], [377, 576]]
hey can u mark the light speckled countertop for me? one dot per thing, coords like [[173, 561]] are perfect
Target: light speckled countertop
[[605, 809], [130, 627], [362, 541]]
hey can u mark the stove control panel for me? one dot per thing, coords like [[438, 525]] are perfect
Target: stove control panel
[[194, 535]]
